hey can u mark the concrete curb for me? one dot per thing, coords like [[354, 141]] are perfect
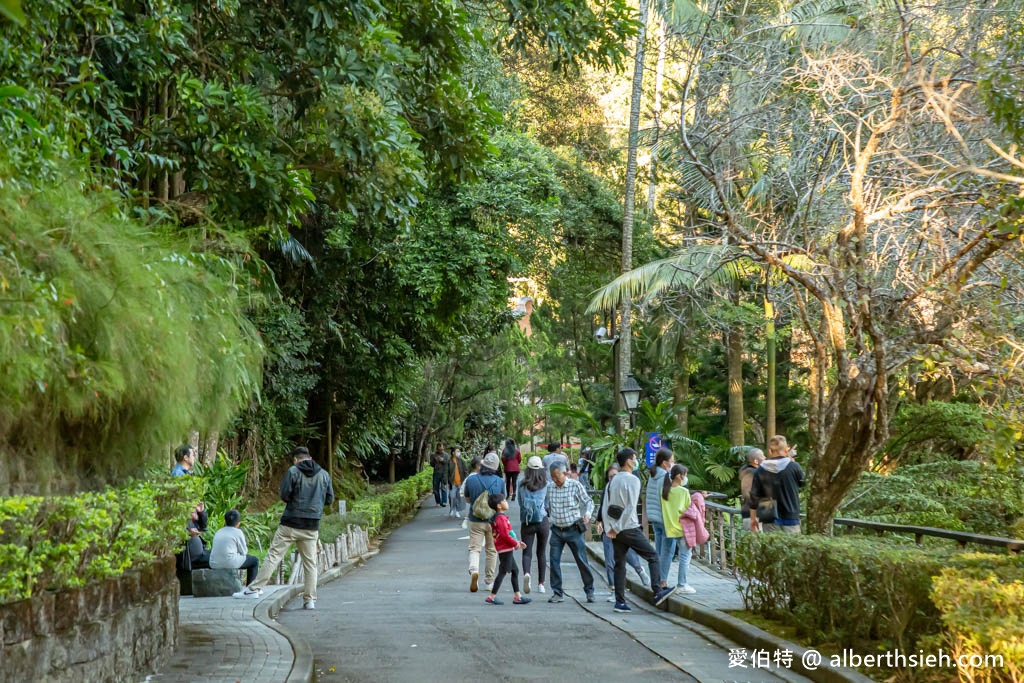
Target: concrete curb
[[745, 634], [268, 608]]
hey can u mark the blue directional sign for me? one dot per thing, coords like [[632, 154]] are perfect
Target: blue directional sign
[[654, 442]]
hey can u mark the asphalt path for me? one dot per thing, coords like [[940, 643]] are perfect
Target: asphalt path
[[408, 615]]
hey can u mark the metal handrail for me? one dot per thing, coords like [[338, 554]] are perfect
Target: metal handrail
[[722, 526]]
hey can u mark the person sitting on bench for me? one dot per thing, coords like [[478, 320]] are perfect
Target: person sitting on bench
[[230, 551]]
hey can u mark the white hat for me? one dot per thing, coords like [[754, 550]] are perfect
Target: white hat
[[491, 461], [535, 463]]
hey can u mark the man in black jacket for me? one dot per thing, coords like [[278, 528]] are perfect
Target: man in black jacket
[[779, 478], [306, 489]]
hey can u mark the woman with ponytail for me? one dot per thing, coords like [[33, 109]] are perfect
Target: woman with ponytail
[[675, 499]]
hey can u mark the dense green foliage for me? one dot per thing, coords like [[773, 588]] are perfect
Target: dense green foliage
[[385, 510], [115, 339], [67, 541], [965, 496], [858, 592]]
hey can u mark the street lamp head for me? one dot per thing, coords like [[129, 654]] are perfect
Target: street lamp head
[[631, 393], [601, 333]]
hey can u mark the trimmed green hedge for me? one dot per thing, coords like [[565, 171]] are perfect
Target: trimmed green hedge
[[67, 541], [386, 509], [857, 591]]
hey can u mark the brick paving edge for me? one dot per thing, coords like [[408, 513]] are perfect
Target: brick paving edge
[[744, 634], [267, 610]]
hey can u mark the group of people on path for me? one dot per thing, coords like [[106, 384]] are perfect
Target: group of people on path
[[556, 510]]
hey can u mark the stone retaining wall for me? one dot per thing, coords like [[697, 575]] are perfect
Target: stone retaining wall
[[110, 630]]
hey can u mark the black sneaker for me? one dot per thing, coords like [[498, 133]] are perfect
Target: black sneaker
[[557, 597], [622, 607]]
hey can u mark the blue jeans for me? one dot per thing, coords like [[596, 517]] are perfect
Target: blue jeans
[[440, 489], [559, 538], [665, 558], [659, 536], [632, 559]]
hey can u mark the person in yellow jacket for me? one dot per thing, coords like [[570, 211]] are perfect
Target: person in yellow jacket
[[675, 498]]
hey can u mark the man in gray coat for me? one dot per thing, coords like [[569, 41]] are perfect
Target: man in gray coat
[[306, 489]]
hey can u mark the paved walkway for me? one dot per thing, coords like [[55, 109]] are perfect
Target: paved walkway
[[220, 641], [407, 615]]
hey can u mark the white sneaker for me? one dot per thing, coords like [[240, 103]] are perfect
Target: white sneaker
[[686, 588], [611, 597], [248, 593], [458, 515], [465, 523], [526, 583], [309, 604], [541, 588]]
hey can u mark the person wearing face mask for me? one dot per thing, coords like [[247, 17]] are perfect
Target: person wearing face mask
[[675, 499]]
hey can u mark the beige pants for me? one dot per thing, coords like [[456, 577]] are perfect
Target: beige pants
[[305, 542], [480, 535], [772, 528]]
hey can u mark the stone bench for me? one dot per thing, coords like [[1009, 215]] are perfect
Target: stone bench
[[216, 583]]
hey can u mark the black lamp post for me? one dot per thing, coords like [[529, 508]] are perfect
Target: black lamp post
[[631, 397]]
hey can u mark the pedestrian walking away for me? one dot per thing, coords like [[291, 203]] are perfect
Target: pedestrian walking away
[[511, 459], [506, 544], [675, 500], [535, 527], [456, 473], [565, 499], [306, 489], [439, 462], [481, 536], [623, 526]]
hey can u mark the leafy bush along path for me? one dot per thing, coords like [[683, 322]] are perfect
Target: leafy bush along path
[[894, 596], [67, 541]]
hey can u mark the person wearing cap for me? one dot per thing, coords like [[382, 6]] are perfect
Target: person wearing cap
[[535, 529], [480, 534], [565, 499], [306, 490]]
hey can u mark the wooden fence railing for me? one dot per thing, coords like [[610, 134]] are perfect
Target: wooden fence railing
[[725, 524], [355, 542]]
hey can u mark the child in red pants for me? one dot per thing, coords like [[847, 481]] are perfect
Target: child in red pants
[[506, 543]]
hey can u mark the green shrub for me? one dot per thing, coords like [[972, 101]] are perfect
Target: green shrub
[[964, 496], [387, 509], [854, 590], [66, 541], [332, 526], [982, 608]]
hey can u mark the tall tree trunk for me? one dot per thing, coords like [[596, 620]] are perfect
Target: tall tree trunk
[[769, 420], [625, 328], [659, 78], [734, 352], [681, 389]]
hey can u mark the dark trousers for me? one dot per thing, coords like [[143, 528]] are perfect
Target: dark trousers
[[536, 535], [251, 565], [510, 484], [440, 489], [560, 537], [633, 539], [506, 565]]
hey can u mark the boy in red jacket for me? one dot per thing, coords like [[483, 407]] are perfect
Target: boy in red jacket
[[506, 543]]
